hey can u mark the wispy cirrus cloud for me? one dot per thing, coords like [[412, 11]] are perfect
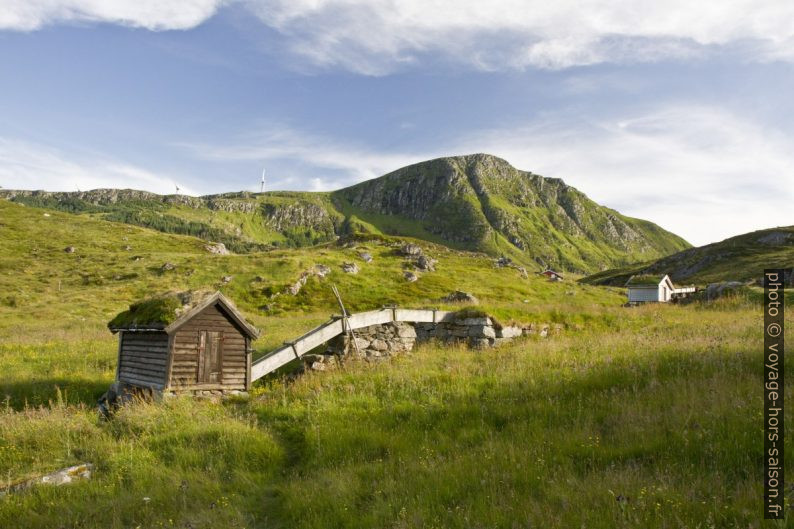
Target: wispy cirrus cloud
[[26, 165], [376, 37], [379, 36]]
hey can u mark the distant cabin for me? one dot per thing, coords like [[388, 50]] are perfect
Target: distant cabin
[[170, 345], [552, 275], [655, 289]]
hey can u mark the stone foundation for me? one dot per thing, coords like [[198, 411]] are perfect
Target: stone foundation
[[389, 339]]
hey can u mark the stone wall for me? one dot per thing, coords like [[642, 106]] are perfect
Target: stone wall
[[389, 339]]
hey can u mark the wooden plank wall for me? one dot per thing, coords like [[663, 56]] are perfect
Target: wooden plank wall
[[143, 358], [185, 367]]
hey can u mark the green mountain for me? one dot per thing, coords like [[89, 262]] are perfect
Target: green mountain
[[477, 202], [741, 258]]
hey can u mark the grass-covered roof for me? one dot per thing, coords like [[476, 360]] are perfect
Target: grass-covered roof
[[645, 280], [158, 312]]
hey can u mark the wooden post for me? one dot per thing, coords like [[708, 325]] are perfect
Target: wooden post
[[345, 322]]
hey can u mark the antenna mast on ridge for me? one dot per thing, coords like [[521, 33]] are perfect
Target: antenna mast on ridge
[[262, 186]]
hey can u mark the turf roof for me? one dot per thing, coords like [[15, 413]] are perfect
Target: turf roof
[[158, 312], [645, 280]]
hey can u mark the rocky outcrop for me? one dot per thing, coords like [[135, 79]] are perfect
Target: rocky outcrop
[[319, 270], [218, 248], [298, 214], [64, 476]]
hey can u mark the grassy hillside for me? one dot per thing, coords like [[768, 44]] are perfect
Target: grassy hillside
[[616, 422], [477, 203], [741, 258], [115, 264]]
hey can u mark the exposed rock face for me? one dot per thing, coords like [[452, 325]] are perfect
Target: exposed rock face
[[465, 199], [230, 205], [776, 238], [299, 214], [319, 270]]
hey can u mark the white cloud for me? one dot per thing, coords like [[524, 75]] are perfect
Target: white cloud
[[25, 165], [376, 37], [27, 15], [379, 36]]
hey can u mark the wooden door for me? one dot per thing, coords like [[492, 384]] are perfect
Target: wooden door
[[210, 357]]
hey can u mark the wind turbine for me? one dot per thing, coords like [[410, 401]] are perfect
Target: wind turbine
[[262, 186], [177, 188]]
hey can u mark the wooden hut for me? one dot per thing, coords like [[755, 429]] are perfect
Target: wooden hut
[[184, 343], [647, 288]]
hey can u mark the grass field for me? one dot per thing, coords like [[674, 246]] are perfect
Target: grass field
[[629, 418]]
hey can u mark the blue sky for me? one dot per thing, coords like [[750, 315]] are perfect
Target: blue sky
[[677, 112]]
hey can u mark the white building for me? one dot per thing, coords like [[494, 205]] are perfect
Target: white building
[[655, 289]]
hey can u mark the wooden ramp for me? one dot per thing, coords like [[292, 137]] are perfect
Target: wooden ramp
[[319, 335]]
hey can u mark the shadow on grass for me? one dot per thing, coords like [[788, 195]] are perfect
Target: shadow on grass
[[44, 392]]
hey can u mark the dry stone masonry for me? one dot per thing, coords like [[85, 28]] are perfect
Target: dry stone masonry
[[390, 339]]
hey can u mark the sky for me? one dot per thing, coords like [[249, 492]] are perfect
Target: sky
[[674, 111]]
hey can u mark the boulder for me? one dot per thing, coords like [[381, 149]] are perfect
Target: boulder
[[410, 277], [217, 248], [411, 250], [167, 267], [69, 249], [459, 296], [226, 279], [321, 270], [717, 290], [365, 256], [350, 268], [426, 263]]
